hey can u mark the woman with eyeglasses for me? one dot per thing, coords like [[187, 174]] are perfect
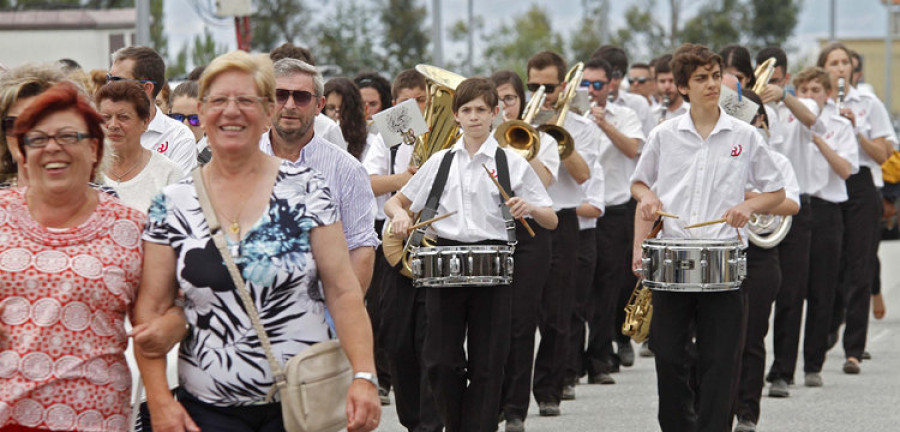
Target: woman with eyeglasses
[[281, 226], [136, 173], [70, 270], [344, 104]]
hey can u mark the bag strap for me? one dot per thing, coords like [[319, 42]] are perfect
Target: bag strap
[[434, 197], [222, 245], [503, 179]]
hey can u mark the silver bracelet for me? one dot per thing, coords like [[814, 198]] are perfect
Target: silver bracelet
[[368, 376]]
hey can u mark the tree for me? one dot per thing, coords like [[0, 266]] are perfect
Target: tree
[[643, 35], [346, 39], [206, 49], [279, 21], [459, 33], [585, 38], [405, 39], [510, 46], [773, 21], [717, 24]]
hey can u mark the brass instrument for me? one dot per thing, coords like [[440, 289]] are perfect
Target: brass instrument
[[639, 309], [763, 73], [665, 108], [520, 134], [556, 130], [442, 134]]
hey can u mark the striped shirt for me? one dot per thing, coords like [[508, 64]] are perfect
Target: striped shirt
[[349, 184]]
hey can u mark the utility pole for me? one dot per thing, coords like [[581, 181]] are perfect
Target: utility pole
[[436, 33], [890, 6], [471, 27], [142, 26], [831, 22]]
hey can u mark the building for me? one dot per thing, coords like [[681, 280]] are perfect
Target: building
[[872, 52], [86, 36]]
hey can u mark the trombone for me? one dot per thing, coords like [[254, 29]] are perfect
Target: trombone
[[556, 130], [520, 134]]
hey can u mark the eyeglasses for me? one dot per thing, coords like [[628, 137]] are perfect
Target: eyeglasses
[[244, 102], [37, 140], [509, 99], [597, 85], [302, 98], [8, 123], [112, 78], [193, 119], [533, 87], [638, 80]]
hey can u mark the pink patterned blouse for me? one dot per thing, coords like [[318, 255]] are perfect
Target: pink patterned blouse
[[65, 294]]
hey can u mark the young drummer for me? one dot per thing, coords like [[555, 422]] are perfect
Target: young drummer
[[697, 166], [479, 316]]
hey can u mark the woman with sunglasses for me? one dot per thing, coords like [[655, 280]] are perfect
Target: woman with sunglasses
[[183, 107], [136, 173]]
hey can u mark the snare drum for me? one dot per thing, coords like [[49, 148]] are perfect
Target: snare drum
[[454, 266], [692, 265]]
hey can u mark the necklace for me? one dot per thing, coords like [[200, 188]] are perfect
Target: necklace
[[119, 177], [234, 224]]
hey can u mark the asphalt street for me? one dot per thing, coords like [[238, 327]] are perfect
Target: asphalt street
[[869, 401]]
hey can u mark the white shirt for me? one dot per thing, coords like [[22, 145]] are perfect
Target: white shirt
[[641, 107], [837, 131], [617, 167], [377, 161], [328, 129], [566, 192], [173, 139], [796, 142], [776, 136], [872, 126], [549, 155], [700, 180], [594, 193], [791, 187], [472, 194], [137, 192], [657, 111]]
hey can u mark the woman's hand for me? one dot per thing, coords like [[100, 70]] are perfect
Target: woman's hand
[[169, 416], [363, 407], [157, 337]]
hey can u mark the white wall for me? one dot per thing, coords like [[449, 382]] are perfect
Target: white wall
[[90, 48]]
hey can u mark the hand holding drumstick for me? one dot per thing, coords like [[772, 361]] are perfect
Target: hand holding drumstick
[[517, 206]]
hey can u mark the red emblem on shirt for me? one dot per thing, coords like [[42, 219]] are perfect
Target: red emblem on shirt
[[736, 150], [163, 147], [790, 118], [829, 135], [494, 173]]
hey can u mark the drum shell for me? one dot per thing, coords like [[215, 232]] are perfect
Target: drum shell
[[691, 265], [455, 266]]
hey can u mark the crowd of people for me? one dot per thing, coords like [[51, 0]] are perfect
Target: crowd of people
[[109, 273]]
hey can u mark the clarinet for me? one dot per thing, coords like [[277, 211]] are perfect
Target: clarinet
[[665, 108], [840, 103]]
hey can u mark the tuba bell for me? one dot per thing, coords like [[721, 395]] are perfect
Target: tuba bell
[[520, 135], [556, 130], [767, 231]]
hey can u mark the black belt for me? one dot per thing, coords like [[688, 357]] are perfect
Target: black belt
[[565, 211], [805, 199], [816, 201]]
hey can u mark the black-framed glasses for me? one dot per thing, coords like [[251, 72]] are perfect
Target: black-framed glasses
[[638, 80], [38, 140], [302, 98], [8, 123], [112, 78], [533, 87], [509, 99], [193, 119], [596, 85]]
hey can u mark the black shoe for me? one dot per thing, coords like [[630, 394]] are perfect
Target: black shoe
[[866, 356], [779, 389], [601, 378], [645, 350], [626, 354], [548, 409], [745, 426], [383, 394], [515, 425], [568, 392]]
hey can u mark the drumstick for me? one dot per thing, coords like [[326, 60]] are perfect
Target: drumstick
[[506, 198], [431, 221], [702, 224], [664, 214]]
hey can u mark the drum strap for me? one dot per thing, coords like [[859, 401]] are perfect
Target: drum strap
[[434, 196], [503, 178]]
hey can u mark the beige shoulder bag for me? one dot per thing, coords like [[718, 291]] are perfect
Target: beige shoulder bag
[[313, 384]]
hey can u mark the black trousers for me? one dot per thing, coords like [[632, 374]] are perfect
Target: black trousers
[[760, 289], [794, 261], [612, 279], [373, 300], [824, 271], [556, 310], [532, 265], [467, 389], [716, 320], [857, 294], [253, 418], [405, 322], [584, 279]]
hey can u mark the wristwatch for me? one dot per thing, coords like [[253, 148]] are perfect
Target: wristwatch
[[368, 376]]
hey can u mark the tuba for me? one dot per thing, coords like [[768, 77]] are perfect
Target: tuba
[[556, 130], [764, 230], [520, 134], [639, 309], [442, 133]]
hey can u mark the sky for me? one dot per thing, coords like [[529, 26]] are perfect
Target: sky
[[855, 18]]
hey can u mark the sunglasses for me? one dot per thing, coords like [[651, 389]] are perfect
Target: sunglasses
[[8, 123], [113, 78], [301, 97], [638, 80], [596, 85], [193, 119], [548, 88]]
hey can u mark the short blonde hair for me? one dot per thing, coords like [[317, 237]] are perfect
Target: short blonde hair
[[813, 73], [259, 67]]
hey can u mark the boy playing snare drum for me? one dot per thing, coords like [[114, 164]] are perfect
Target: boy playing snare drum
[[697, 167], [467, 391]]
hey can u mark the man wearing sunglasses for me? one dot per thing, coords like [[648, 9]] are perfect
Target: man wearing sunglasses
[[620, 146], [299, 98], [617, 58], [164, 134], [640, 82]]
